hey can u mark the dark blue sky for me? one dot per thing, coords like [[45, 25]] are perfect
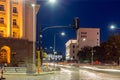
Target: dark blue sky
[[92, 13]]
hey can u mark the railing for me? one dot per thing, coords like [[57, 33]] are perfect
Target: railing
[[15, 69]]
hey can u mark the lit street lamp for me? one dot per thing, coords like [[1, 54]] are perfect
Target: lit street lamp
[[34, 33], [62, 34], [52, 1], [113, 27]]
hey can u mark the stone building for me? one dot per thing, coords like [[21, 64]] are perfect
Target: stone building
[[17, 31]]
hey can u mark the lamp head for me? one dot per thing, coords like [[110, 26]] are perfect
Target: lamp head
[[52, 1], [112, 27]]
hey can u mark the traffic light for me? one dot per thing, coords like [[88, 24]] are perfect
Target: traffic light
[[76, 23]]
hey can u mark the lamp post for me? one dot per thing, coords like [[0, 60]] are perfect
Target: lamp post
[[34, 37], [114, 27], [55, 40], [54, 51], [34, 30]]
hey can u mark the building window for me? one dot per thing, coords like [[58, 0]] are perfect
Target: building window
[[14, 22], [83, 36], [14, 10], [73, 46], [97, 33], [1, 7], [2, 20], [14, 34], [83, 32], [73, 51], [1, 33]]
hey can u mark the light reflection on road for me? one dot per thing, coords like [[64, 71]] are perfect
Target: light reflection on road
[[68, 74]]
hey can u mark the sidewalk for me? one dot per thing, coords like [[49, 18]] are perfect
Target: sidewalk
[[43, 70], [41, 73]]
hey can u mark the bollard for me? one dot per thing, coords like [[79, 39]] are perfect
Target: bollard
[[47, 65]]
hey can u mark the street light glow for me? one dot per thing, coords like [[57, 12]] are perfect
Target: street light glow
[[83, 39], [112, 27], [62, 33], [52, 1], [33, 5]]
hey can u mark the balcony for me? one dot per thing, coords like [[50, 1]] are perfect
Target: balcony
[[15, 26], [2, 25], [2, 12], [15, 2], [15, 14]]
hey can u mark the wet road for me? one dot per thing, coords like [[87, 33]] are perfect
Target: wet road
[[68, 74]]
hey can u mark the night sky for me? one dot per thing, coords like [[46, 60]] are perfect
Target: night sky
[[92, 13]]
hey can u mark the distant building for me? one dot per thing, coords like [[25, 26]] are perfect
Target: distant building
[[71, 49], [85, 37], [16, 31], [52, 57], [88, 37]]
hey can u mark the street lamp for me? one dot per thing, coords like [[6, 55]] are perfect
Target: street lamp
[[52, 1], [34, 36], [62, 34], [34, 30], [113, 27]]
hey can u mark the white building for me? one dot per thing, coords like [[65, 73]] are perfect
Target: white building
[[88, 37], [71, 49]]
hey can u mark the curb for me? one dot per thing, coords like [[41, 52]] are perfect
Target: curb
[[30, 74], [101, 70]]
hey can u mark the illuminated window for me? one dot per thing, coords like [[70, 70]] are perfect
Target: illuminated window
[[2, 20], [14, 10], [14, 22], [1, 7], [1, 33], [14, 34]]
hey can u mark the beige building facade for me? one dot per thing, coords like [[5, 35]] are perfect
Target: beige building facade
[[88, 37], [17, 31]]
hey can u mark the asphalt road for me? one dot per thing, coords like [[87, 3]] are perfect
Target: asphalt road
[[68, 74]]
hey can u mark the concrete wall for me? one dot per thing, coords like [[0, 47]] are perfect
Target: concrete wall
[[21, 48]]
